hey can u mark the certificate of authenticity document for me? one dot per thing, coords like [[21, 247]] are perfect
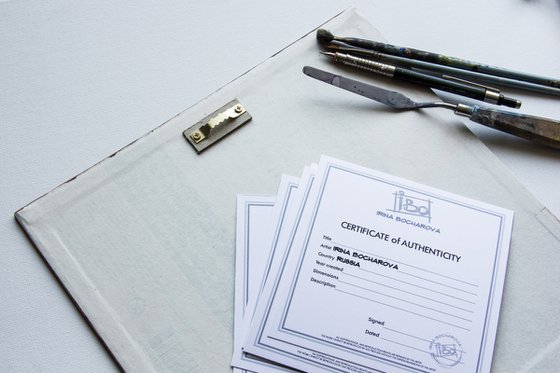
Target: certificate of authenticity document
[[384, 274]]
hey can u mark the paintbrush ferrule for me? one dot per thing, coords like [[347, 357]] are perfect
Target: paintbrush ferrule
[[362, 63]]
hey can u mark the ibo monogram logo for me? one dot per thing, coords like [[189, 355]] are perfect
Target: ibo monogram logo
[[414, 205]]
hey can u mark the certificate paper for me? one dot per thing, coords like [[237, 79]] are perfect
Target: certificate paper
[[384, 274], [254, 215], [259, 226]]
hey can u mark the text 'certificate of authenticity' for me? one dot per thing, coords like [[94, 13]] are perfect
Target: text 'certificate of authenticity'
[[386, 275]]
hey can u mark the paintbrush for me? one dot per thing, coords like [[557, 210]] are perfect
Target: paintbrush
[[463, 88], [325, 37], [429, 67]]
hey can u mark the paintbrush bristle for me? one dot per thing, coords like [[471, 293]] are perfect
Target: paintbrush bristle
[[324, 36]]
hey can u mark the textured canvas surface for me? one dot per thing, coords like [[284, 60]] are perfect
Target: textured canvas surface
[[144, 241]]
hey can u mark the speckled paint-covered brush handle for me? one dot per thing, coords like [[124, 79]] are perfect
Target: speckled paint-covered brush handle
[[542, 130], [441, 59]]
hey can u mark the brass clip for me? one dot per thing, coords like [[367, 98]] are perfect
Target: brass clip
[[218, 124]]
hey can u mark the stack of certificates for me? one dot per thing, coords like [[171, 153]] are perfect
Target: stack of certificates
[[349, 269]]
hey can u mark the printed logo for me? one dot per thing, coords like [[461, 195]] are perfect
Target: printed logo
[[411, 205], [446, 350]]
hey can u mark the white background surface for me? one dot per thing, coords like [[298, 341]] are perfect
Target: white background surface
[[79, 81]]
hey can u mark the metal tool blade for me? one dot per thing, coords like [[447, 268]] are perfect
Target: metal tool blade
[[385, 96]]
